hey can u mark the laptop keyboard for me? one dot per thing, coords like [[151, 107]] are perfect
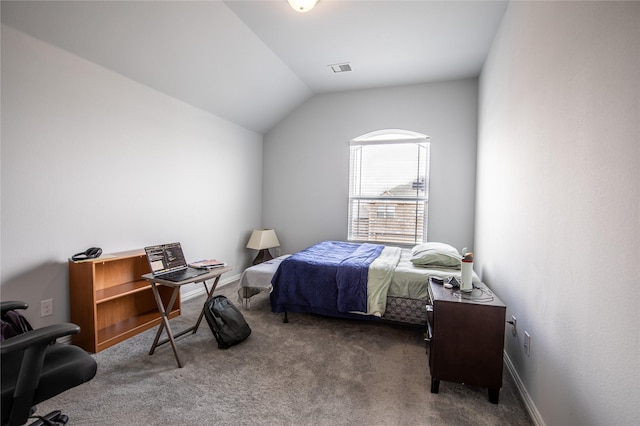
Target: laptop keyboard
[[176, 275], [183, 274]]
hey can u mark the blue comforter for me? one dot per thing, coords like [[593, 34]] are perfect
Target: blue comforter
[[326, 278]]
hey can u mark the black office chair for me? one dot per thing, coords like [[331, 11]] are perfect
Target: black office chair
[[36, 368]]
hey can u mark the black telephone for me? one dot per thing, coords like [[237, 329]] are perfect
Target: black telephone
[[90, 253]]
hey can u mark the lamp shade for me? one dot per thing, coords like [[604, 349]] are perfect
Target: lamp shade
[[263, 239], [302, 5]]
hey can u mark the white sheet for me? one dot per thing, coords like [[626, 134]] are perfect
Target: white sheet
[[379, 278], [258, 278]]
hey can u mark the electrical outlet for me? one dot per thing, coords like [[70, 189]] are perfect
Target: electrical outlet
[[527, 343], [46, 308], [514, 331]]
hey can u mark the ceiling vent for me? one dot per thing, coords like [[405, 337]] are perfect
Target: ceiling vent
[[340, 67]]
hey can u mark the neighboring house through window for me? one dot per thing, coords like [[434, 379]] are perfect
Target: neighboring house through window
[[389, 187]]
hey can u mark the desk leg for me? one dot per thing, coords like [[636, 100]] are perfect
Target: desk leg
[[165, 320], [209, 294]]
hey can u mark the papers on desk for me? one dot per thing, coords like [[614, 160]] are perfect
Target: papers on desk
[[208, 264]]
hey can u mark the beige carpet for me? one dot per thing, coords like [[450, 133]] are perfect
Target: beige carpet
[[312, 371]]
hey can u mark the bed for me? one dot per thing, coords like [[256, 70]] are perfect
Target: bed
[[369, 281]]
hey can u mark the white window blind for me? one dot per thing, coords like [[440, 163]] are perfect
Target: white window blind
[[389, 187]]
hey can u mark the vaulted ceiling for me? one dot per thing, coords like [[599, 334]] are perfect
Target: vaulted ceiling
[[253, 62]]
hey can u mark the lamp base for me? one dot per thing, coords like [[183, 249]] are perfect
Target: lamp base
[[263, 256]]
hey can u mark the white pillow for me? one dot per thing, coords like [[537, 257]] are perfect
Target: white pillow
[[436, 254]]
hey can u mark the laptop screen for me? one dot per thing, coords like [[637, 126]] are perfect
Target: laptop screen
[[165, 257]]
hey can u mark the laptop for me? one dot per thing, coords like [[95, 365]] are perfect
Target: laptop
[[167, 262]]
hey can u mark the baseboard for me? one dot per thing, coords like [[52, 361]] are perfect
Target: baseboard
[[192, 294], [526, 398]]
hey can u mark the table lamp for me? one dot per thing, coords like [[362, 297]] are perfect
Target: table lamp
[[262, 240]]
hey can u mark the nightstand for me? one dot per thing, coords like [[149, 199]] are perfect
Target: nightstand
[[466, 333]]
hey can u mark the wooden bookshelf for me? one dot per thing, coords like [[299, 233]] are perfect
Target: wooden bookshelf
[[111, 302]]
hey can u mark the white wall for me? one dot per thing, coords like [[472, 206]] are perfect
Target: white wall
[[306, 159], [558, 203], [87, 157]]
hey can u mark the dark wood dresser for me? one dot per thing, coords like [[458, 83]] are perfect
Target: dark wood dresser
[[466, 334]]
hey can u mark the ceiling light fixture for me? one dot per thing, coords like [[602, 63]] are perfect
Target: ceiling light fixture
[[302, 6]]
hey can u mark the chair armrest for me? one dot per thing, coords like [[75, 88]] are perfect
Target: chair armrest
[[29, 364], [11, 305], [46, 335]]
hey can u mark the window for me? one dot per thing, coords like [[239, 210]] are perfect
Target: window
[[389, 187]]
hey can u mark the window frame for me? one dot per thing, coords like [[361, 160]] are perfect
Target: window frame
[[421, 202]]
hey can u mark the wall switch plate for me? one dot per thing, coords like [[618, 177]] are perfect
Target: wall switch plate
[[514, 331], [527, 343], [46, 308]]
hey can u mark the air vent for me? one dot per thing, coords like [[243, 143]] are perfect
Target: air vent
[[336, 68]]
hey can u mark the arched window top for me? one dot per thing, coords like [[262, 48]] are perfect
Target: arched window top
[[389, 136]]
